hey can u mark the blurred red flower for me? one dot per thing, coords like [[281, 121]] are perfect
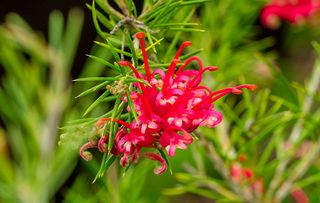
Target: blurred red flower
[[291, 11]]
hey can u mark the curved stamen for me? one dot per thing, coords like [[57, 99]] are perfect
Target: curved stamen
[[140, 36], [209, 68], [169, 74], [182, 46], [189, 60], [134, 70], [227, 90], [136, 73], [85, 154], [214, 96], [202, 87], [174, 63], [103, 144], [247, 86], [158, 158], [234, 90], [142, 87]]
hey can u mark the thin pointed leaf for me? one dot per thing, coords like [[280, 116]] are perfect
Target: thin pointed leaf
[[176, 24], [72, 36], [112, 133], [93, 89], [96, 102], [115, 55], [132, 49], [95, 21], [132, 109], [186, 29], [154, 44], [107, 23], [105, 165], [116, 49], [55, 28], [104, 62], [96, 79]]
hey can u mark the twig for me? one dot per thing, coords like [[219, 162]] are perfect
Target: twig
[[298, 172], [133, 22], [296, 131], [244, 192]]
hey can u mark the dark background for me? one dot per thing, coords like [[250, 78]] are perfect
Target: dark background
[[36, 13]]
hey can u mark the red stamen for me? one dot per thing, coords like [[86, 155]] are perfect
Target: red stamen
[[140, 36], [234, 90], [223, 92], [227, 91], [142, 87], [189, 60], [169, 74], [103, 120], [136, 73], [83, 153], [247, 86], [158, 158], [209, 68], [127, 63], [182, 46], [202, 87]]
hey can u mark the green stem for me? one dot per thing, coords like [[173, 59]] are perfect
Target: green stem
[[296, 132]]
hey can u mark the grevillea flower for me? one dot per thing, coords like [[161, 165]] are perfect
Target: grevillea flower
[[242, 175], [169, 109], [292, 11], [299, 196]]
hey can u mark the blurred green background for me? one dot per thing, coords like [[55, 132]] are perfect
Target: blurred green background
[[43, 47]]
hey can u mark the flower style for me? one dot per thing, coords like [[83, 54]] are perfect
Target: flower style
[[292, 11], [169, 109]]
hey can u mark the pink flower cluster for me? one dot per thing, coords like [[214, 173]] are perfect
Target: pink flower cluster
[[292, 11], [169, 108], [243, 175]]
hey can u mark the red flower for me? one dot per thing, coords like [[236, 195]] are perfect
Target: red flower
[[241, 175], [292, 11], [299, 196], [172, 106]]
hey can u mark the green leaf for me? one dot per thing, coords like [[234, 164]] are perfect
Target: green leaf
[[112, 132], [186, 29], [93, 89], [132, 109], [96, 102], [55, 28], [96, 79], [72, 36], [109, 10], [105, 165], [106, 63], [95, 20], [132, 49], [176, 24], [116, 49], [104, 20]]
